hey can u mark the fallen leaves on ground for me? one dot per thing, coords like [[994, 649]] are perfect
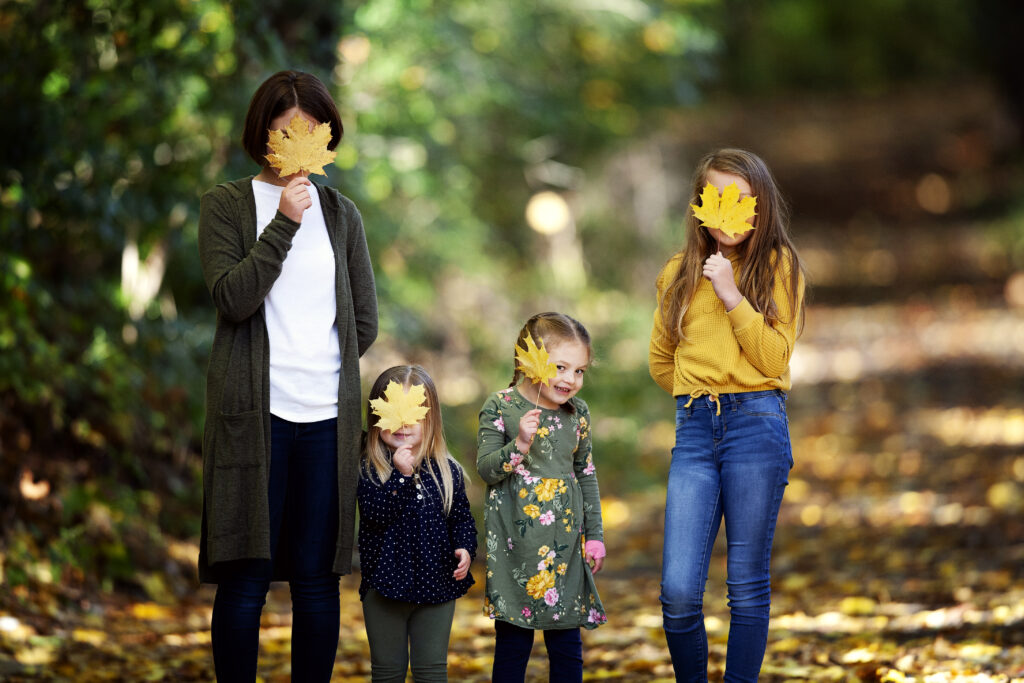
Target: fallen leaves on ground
[[844, 610], [897, 558]]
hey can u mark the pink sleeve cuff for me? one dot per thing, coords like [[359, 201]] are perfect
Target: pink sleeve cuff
[[595, 549]]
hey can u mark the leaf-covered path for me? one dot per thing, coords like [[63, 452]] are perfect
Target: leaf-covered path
[[898, 556]]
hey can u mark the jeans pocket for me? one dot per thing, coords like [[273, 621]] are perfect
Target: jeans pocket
[[768, 405], [682, 416]]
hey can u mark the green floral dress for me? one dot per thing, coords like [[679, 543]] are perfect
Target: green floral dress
[[538, 507]]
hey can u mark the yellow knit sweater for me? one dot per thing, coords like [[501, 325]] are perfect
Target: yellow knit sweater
[[724, 352]]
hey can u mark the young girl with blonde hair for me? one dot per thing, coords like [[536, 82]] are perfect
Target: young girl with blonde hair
[[542, 511], [417, 536], [730, 307]]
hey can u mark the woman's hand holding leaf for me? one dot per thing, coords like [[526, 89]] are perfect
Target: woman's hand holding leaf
[[295, 198]]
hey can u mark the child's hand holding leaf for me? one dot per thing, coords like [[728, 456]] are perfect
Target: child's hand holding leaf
[[404, 460], [528, 425], [397, 409], [718, 269]]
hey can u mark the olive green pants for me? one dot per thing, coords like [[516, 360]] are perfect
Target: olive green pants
[[400, 632]]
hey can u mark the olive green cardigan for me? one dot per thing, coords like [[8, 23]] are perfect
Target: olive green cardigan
[[239, 270]]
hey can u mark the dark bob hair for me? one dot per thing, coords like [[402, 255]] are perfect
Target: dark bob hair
[[278, 94]]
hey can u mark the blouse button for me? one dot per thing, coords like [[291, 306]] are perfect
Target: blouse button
[[401, 480], [419, 496]]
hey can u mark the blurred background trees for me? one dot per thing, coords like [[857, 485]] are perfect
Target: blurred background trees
[[507, 158]]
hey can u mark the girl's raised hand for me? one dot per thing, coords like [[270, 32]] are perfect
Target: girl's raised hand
[[404, 460], [464, 560], [718, 269], [528, 425], [295, 198]]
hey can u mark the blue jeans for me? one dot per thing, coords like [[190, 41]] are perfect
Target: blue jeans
[[303, 498], [733, 465], [512, 645]]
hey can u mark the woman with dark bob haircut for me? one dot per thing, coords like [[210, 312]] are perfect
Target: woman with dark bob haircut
[[286, 263]]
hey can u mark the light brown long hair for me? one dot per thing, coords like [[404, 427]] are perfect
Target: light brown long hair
[[768, 248], [433, 447]]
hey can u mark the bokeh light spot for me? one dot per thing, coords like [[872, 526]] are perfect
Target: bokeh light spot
[[933, 194], [547, 213]]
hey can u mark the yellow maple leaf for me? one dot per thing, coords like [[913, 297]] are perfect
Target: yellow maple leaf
[[535, 362], [399, 407], [728, 213], [297, 148]]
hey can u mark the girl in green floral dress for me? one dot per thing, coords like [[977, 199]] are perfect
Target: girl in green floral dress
[[542, 509]]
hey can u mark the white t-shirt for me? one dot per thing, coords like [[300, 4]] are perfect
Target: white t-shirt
[[301, 312]]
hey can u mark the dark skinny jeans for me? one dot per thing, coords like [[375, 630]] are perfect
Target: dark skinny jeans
[[303, 496], [512, 645]]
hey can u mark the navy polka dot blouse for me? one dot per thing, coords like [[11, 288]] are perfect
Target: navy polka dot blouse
[[406, 542]]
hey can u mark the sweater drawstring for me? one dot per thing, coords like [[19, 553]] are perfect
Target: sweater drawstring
[[697, 393]]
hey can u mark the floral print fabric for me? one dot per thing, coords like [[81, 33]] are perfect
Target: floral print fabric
[[539, 509]]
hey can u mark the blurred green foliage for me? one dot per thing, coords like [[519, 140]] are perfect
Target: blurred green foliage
[[120, 113], [865, 46]]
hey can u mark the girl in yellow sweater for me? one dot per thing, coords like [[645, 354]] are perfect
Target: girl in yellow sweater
[[730, 306]]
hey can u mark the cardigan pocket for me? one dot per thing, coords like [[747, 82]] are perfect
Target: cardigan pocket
[[231, 512], [238, 472], [239, 440]]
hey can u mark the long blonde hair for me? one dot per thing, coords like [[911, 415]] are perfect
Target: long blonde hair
[[433, 446], [768, 248]]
